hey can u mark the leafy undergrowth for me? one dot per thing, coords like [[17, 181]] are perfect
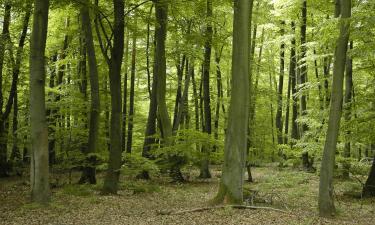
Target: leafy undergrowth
[[138, 202]]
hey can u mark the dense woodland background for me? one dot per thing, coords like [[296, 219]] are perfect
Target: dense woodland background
[[151, 89]]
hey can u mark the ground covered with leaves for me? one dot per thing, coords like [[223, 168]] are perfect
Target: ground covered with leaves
[[140, 202]]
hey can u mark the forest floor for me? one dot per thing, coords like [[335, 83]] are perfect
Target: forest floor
[[139, 202]]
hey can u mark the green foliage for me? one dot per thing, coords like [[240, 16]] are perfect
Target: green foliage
[[135, 164], [187, 146]]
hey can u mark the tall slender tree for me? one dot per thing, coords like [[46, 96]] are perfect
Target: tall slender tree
[[279, 113], [303, 76], [231, 184], [326, 201], [117, 51], [39, 170], [348, 108], [89, 172], [3, 43], [293, 76], [204, 170], [131, 97]]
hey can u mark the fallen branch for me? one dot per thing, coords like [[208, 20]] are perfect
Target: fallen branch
[[161, 212]]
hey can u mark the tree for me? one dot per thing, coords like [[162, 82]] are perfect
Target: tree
[[117, 51], [131, 100], [40, 190], [303, 76], [231, 183], [205, 171], [279, 122], [89, 171], [369, 188], [326, 202], [293, 77], [3, 44]]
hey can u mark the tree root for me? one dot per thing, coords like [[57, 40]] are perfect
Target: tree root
[[163, 212]]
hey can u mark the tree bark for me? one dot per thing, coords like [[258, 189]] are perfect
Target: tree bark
[[185, 93], [195, 96], [231, 184], [369, 188], [279, 112], [287, 112], [131, 97], [305, 155], [220, 93], [180, 74], [3, 42], [13, 97], [348, 109], [204, 170], [39, 171], [89, 172], [125, 94], [293, 75], [326, 201], [117, 51]]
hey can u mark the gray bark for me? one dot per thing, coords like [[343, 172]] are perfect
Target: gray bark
[[326, 201], [231, 184], [39, 170]]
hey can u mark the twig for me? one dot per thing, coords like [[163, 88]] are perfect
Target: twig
[[160, 212]]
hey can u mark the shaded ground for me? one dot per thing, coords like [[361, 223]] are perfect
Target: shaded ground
[[138, 202]]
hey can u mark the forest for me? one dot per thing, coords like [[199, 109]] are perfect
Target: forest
[[187, 112]]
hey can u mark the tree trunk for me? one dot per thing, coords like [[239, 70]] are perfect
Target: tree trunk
[[231, 184], [293, 75], [279, 113], [89, 172], [125, 94], [195, 96], [148, 51], [183, 98], [39, 171], [13, 97], [348, 109], [287, 112], [326, 202], [3, 42], [219, 87], [114, 164], [161, 11], [204, 170], [305, 155], [150, 140], [369, 188], [180, 74], [151, 120], [131, 99]]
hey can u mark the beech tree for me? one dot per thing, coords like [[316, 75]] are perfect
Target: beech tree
[[39, 176], [326, 201], [114, 63], [92, 145], [231, 183]]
